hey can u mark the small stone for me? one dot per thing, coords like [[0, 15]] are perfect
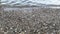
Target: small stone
[[38, 32], [53, 24], [33, 15], [22, 33], [45, 27], [1, 32], [43, 33], [10, 32], [47, 33], [15, 31], [25, 30], [58, 32], [52, 33], [5, 32], [1, 28], [35, 32], [5, 29], [11, 28], [51, 27]]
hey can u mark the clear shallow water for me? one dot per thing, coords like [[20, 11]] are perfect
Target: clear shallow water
[[30, 2]]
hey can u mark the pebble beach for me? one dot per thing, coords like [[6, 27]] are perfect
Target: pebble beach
[[30, 20]]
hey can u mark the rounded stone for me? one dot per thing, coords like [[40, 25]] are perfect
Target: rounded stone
[[10, 32], [1, 32], [5, 29]]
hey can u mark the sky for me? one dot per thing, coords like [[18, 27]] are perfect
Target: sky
[[55, 2]]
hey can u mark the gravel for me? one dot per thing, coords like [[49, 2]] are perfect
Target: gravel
[[30, 21]]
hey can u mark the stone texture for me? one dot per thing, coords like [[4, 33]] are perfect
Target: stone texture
[[30, 21]]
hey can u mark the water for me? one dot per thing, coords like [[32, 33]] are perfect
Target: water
[[31, 2], [18, 2]]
